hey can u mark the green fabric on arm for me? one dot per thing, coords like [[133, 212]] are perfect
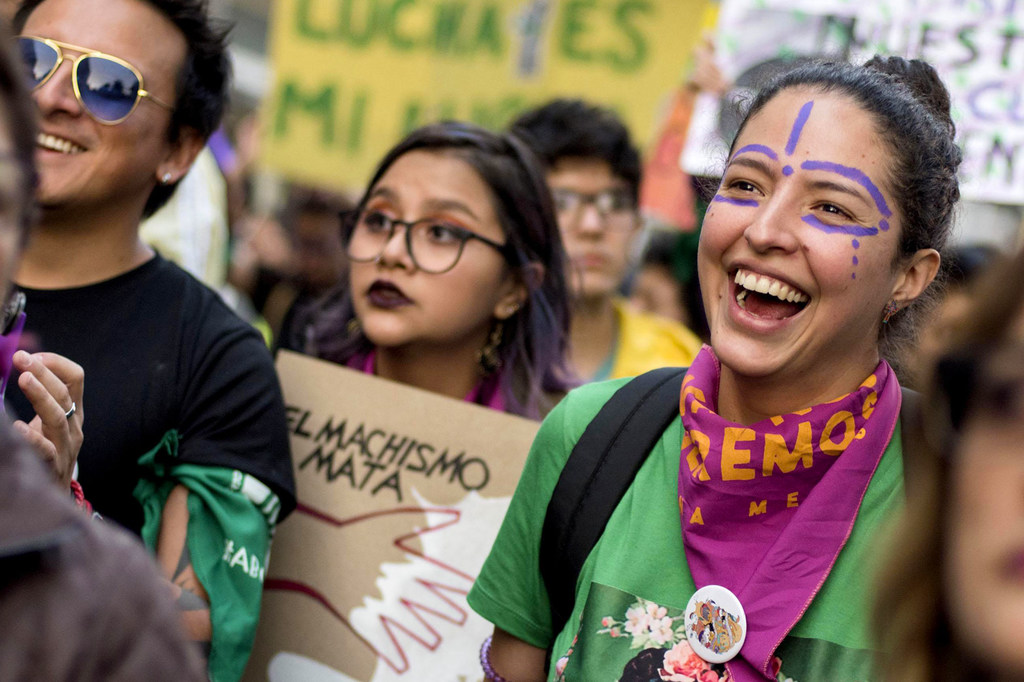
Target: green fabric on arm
[[231, 521]]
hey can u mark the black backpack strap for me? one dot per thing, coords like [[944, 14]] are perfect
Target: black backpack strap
[[599, 470]]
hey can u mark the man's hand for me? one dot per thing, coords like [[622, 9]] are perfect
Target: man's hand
[[53, 384]]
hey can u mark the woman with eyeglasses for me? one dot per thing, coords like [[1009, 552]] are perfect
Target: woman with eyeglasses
[[456, 282], [951, 597], [740, 547]]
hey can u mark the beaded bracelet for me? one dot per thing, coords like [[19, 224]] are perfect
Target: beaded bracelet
[[485, 662]]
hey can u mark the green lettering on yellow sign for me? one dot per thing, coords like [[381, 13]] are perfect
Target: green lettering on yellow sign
[[454, 27]]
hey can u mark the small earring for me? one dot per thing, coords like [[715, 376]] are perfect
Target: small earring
[[353, 327], [165, 179], [891, 308], [512, 309]]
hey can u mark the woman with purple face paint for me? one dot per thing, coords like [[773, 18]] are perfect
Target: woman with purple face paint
[[743, 548]]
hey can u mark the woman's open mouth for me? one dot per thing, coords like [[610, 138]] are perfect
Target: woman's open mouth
[[763, 296]]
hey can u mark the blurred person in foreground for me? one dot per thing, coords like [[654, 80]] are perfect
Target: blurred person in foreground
[[187, 440], [593, 171], [951, 599], [79, 600]]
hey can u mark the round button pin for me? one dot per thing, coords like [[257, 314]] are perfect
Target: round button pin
[[716, 625]]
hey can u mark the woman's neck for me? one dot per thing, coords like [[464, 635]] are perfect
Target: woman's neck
[[592, 335], [442, 370], [747, 400]]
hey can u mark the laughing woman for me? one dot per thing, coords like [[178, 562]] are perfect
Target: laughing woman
[[740, 550], [456, 283]]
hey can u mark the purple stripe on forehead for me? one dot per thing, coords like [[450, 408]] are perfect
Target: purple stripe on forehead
[[798, 126], [857, 230], [737, 202], [853, 174], [767, 151]]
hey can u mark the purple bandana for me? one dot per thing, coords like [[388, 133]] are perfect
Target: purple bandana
[[766, 508]]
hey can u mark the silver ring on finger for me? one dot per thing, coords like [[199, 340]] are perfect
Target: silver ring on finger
[[71, 411]]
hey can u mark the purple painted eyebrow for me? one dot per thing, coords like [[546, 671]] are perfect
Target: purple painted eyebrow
[[853, 174], [767, 151], [857, 230], [798, 126]]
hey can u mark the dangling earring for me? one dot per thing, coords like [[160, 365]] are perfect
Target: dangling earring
[[891, 308], [487, 356]]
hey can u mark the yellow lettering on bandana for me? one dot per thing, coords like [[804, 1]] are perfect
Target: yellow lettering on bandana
[[700, 446], [791, 500], [696, 517], [778, 454], [757, 508], [827, 444], [732, 456]]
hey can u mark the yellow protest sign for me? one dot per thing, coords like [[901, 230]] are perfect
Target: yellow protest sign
[[353, 76]]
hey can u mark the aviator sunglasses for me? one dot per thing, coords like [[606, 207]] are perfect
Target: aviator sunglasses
[[107, 87]]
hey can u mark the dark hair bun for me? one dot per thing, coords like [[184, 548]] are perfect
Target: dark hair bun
[[923, 82]]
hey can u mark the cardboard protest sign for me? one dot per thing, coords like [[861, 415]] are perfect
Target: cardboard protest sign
[[401, 493], [977, 48], [351, 77]]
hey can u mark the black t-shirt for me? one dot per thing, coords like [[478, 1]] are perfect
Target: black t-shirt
[[162, 352]]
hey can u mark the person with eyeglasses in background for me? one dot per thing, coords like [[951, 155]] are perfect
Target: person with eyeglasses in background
[[456, 283], [950, 603], [593, 170], [187, 440]]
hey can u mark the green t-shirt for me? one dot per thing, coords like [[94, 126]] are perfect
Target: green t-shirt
[[639, 563]]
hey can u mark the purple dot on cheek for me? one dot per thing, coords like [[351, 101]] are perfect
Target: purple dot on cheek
[[853, 275], [787, 170], [855, 261], [884, 225], [856, 244]]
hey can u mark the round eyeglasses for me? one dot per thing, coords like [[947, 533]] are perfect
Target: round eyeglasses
[[614, 206], [434, 245], [107, 87]]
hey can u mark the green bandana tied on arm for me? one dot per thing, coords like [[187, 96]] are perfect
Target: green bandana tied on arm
[[231, 521]]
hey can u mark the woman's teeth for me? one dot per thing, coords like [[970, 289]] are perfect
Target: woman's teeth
[[749, 281]]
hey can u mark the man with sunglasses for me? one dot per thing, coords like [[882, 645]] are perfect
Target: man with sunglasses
[[186, 442], [594, 175]]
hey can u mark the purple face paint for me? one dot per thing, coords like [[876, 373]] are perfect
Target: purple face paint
[[735, 202], [858, 230], [857, 176], [855, 261], [787, 170], [798, 126], [884, 224], [759, 148], [856, 244]]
